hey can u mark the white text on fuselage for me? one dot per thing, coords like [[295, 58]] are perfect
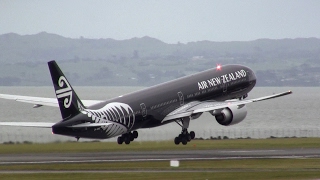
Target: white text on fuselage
[[226, 78]]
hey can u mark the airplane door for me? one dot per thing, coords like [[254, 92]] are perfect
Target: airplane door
[[224, 88], [143, 110], [181, 98]]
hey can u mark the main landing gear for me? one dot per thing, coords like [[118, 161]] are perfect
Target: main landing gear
[[77, 137], [243, 97], [184, 137], [128, 137]]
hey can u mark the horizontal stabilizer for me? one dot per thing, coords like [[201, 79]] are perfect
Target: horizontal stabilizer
[[28, 124], [41, 101], [49, 125], [32, 100], [84, 125]]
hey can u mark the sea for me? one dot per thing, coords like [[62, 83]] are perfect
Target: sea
[[295, 115]]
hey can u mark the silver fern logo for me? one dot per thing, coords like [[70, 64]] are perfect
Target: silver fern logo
[[65, 92], [119, 114]]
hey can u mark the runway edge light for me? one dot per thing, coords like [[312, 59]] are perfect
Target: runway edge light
[[174, 163]]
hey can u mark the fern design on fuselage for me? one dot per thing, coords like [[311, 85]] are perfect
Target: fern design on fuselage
[[119, 114]]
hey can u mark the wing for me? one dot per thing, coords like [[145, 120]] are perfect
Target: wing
[[199, 107], [41, 101]]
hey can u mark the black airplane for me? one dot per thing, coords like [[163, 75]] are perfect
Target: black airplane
[[221, 91]]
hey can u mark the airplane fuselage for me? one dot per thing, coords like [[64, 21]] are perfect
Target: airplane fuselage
[[149, 107]]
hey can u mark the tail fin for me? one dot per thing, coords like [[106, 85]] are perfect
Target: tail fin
[[68, 100]]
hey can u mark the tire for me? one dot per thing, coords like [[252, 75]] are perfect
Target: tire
[[120, 140], [135, 134], [131, 137], [192, 134], [177, 140], [127, 140], [188, 137], [184, 141]]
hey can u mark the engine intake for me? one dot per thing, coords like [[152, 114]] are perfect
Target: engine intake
[[231, 115]]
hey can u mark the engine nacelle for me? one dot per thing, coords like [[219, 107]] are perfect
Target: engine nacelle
[[231, 115]]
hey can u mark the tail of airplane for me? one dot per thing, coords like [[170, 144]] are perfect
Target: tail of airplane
[[69, 102]]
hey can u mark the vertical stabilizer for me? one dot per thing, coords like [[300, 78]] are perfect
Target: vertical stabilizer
[[68, 100]]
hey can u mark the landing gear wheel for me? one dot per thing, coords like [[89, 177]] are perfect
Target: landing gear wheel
[[127, 140], [184, 137], [131, 137], [177, 140], [184, 141], [127, 137], [188, 137], [120, 140], [135, 134], [192, 134]]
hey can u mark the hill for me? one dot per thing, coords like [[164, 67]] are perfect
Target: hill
[[146, 61]]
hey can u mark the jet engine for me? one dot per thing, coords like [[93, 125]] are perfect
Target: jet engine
[[231, 115]]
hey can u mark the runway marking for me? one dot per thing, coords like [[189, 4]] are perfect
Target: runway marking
[[253, 151], [246, 151], [163, 159]]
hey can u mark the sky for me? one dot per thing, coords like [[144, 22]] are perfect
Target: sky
[[170, 21]]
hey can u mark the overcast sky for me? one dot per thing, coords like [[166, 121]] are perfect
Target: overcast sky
[[167, 20]]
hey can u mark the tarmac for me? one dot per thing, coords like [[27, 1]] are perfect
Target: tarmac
[[135, 156]]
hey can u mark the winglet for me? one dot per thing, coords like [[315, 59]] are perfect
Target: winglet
[[272, 96], [68, 100]]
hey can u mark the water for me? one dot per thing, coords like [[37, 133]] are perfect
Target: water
[[292, 115]]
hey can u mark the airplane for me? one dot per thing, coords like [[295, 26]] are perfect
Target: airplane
[[221, 91]]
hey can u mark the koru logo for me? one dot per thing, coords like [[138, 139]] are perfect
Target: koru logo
[[65, 92]]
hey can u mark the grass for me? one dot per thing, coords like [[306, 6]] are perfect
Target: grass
[[160, 145], [204, 169]]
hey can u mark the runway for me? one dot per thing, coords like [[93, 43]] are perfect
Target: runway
[[132, 156]]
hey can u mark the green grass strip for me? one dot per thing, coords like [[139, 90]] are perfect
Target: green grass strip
[[161, 145]]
